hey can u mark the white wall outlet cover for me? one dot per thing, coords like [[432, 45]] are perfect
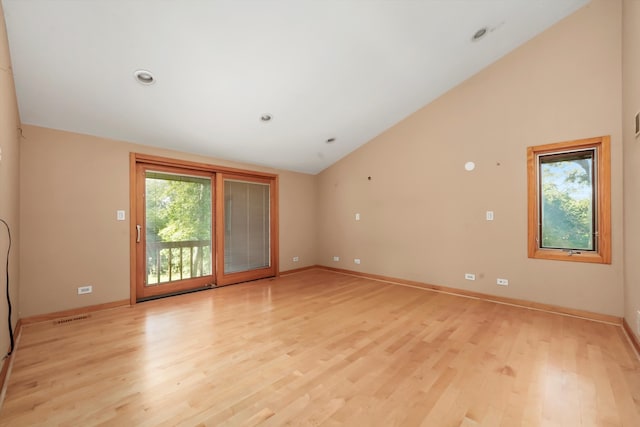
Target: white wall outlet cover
[[120, 215], [296, 259], [357, 260], [336, 258], [489, 215], [469, 166], [470, 276], [357, 217], [85, 289]]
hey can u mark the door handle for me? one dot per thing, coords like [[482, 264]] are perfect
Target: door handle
[[138, 227]]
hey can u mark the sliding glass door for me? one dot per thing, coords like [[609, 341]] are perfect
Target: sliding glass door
[[198, 226]]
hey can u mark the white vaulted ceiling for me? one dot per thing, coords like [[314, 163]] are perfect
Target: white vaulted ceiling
[[344, 69]]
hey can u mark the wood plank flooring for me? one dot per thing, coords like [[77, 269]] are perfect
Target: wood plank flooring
[[321, 348]]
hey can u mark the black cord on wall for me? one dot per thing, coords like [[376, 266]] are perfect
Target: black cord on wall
[[8, 294]]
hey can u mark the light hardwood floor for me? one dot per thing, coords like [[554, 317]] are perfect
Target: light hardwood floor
[[322, 348]]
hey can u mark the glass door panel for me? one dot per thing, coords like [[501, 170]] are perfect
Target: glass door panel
[[247, 240], [177, 232]]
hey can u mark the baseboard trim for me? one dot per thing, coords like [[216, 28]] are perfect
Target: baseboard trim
[[598, 317], [298, 270], [74, 312], [6, 363], [632, 337]]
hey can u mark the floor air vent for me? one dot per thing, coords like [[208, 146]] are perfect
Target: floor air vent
[[71, 319]]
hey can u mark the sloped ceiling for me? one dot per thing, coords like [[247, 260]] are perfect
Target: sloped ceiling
[[343, 69]]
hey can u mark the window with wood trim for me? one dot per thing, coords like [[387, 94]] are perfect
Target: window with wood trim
[[569, 197]]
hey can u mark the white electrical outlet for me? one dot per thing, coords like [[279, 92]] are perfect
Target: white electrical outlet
[[469, 276], [357, 260], [85, 290], [502, 282], [489, 215], [336, 258], [120, 216], [296, 259], [357, 217]]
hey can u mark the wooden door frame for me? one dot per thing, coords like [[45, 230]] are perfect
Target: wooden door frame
[[219, 172]]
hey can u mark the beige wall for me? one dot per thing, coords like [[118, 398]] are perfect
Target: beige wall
[[631, 105], [9, 200], [71, 186], [423, 215]]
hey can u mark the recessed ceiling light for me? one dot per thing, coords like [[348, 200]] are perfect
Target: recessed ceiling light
[[330, 140], [480, 34], [266, 117], [144, 77]]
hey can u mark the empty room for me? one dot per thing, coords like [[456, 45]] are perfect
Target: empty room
[[328, 213]]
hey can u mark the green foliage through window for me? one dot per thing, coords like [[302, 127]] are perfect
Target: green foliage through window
[[567, 200], [178, 227], [178, 208]]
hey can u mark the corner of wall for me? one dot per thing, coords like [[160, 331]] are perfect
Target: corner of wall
[[631, 107], [9, 186]]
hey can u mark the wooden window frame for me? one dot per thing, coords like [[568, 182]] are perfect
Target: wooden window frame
[[219, 173], [602, 252]]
